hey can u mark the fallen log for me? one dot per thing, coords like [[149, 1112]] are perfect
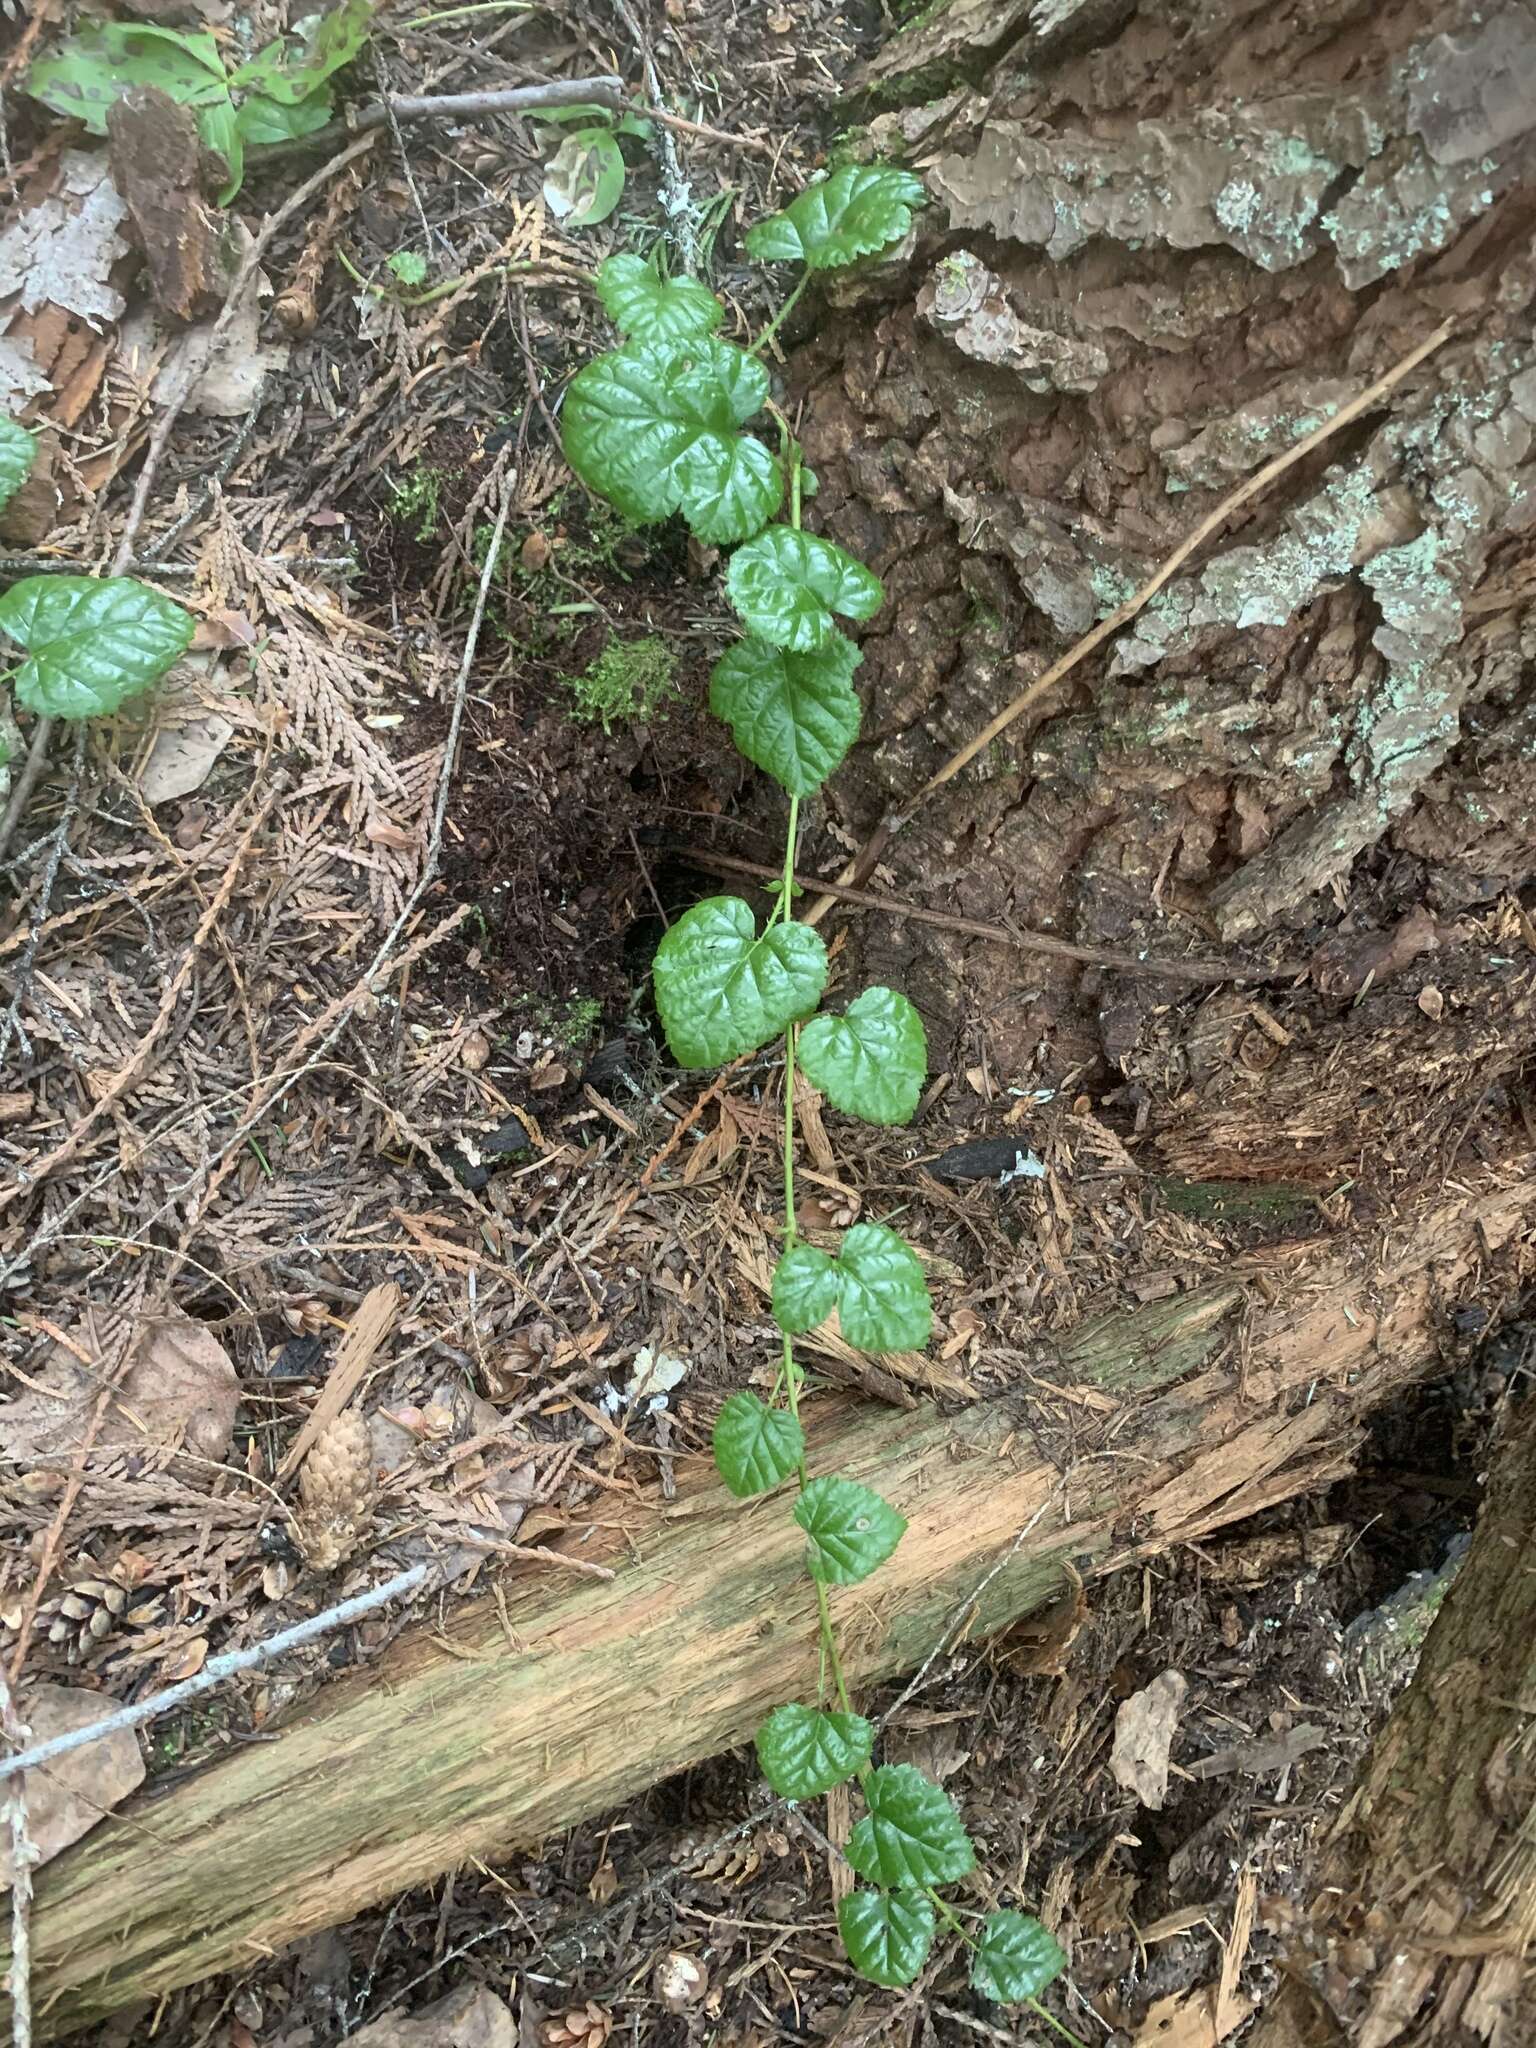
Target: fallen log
[[1172, 1421], [1425, 1898]]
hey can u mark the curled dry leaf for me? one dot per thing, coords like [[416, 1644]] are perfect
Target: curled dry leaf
[[1144, 1730], [67, 1799], [180, 1390], [470, 2017]]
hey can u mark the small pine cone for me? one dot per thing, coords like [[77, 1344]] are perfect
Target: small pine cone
[[79, 1621], [336, 1492], [585, 2026]]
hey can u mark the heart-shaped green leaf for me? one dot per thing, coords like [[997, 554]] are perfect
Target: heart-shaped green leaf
[[804, 1289], [856, 211], [650, 307], [887, 1935], [912, 1836], [584, 179], [805, 1752], [872, 1062], [852, 1531], [756, 1446], [722, 991], [653, 427], [787, 585], [1016, 1958], [92, 641], [18, 450], [795, 715], [882, 1300]]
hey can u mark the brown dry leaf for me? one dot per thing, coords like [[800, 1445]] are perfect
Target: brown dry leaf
[[67, 1799], [1144, 1731], [470, 2017], [180, 1389], [183, 756], [1037, 1646], [603, 1883]]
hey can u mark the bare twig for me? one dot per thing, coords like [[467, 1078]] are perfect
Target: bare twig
[[676, 198], [863, 863], [217, 1669], [606, 91], [24, 1855], [1006, 934], [57, 840]]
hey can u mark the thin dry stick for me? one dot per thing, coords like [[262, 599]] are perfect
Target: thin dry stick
[[860, 867], [217, 1669], [24, 1855], [1006, 934]]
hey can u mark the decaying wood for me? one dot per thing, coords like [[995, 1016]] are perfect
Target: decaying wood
[[1167, 1423], [1426, 1898]]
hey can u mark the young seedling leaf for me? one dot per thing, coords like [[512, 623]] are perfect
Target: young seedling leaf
[[261, 120], [1016, 1958], [882, 1301], [805, 1752], [787, 585], [912, 1835], [795, 715], [852, 1531], [584, 179], [756, 1446], [653, 427], [18, 450], [295, 66], [409, 267], [648, 307], [887, 1935], [872, 1062], [804, 1289], [722, 991], [92, 641], [856, 211], [86, 74]]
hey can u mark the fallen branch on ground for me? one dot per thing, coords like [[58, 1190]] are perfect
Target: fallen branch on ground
[[706, 1621]]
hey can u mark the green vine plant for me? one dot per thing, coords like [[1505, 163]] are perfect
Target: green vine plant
[[656, 426], [90, 642]]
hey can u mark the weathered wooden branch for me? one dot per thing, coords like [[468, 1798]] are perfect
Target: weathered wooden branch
[[1425, 1900], [1155, 1423]]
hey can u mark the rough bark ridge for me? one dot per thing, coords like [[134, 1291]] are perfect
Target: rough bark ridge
[[1167, 241], [1426, 1900], [1233, 1397]]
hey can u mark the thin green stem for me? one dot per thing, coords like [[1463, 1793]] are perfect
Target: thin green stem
[[1052, 2021], [779, 318]]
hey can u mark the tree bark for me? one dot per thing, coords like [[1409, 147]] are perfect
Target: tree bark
[[1425, 1902], [465, 1746]]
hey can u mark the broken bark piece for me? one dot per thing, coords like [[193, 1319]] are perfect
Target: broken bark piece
[[157, 165], [1424, 1899], [442, 1752]]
